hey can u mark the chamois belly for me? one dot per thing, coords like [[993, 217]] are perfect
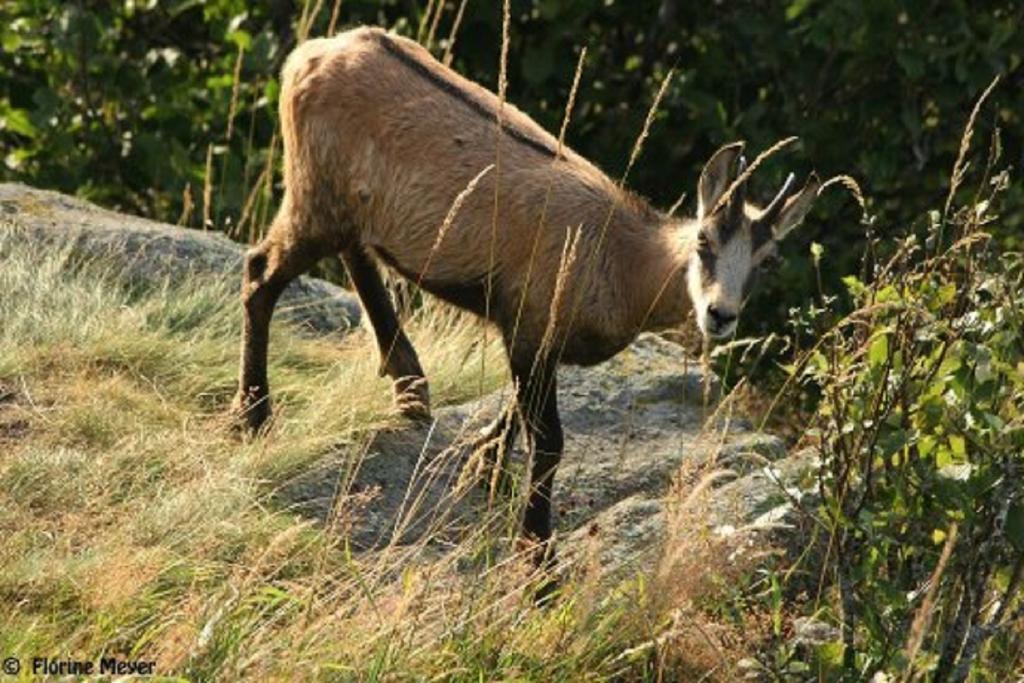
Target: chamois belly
[[588, 341], [586, 348], [470, 295]]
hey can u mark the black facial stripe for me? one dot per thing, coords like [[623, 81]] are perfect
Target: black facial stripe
[[466, 98], [728, 231], [708, 260]]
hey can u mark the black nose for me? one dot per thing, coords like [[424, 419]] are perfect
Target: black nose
[[720, 317]]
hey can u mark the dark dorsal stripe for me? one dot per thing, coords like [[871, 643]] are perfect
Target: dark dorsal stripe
[[455, 91], [725, 225]]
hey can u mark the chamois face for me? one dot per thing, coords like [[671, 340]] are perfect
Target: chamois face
[[736, 239]]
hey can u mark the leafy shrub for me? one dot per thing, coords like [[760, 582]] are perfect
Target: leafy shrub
[[920, 428]]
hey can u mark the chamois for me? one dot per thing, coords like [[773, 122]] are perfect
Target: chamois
[[380, 139]]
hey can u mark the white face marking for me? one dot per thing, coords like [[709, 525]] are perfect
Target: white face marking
[[722, 260], [717, 291], [697, 299]]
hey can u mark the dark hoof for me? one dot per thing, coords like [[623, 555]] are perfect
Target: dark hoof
[[249, 415], [542, 556], [545, 593], [412, 397]]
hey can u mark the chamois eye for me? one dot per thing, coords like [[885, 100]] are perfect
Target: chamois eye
[[703, 246]]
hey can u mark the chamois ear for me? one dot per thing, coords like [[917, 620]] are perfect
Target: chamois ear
[[716, 176], [796, 207], [738, 200]]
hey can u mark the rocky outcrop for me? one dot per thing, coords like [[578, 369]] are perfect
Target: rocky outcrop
[[631, 424], [153, 252]]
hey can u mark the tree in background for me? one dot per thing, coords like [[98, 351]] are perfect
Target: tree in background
[[168, 109]]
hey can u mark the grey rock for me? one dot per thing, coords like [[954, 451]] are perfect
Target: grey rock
[[152, 252], [753, 451], [624, 537], [629, 424], [771, 495]]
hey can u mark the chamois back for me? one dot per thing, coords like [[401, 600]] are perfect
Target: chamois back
[[379, 140]]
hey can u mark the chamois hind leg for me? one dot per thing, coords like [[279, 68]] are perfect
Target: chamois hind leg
[[538, 405], [398, 358], [268, 269]]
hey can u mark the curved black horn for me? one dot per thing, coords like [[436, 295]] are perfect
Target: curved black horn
[[771, 212]]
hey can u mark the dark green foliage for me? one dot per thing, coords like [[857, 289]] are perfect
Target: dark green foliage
[[118, 102], [920, 428], [121, 102]]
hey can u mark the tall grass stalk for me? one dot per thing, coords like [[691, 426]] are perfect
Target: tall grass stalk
[[449, 48], [137, 524]]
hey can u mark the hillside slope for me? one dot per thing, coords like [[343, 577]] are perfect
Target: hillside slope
[[347, 542]]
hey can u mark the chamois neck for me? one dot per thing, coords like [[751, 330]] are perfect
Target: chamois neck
[[662, 254]]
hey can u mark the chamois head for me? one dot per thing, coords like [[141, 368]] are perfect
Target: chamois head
[[736, 239]]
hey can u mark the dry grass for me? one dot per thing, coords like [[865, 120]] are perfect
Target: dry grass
[[137, 523]]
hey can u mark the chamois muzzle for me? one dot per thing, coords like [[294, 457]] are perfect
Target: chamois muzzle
[[722, 322]]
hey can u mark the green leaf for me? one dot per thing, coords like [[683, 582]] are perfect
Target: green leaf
[[888, 294], [10, 41], [18, 121], [797, 8], [950, 364], [854, 286], [817, 251], [943, 458], [242, 39], [272, 90], [830, 656], [892, 441], [983, 369], [945, 294], [878, 352], [776, 602]]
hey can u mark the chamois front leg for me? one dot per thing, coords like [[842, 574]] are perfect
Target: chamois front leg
[[398, 358], [538, 405], [268, 269]]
